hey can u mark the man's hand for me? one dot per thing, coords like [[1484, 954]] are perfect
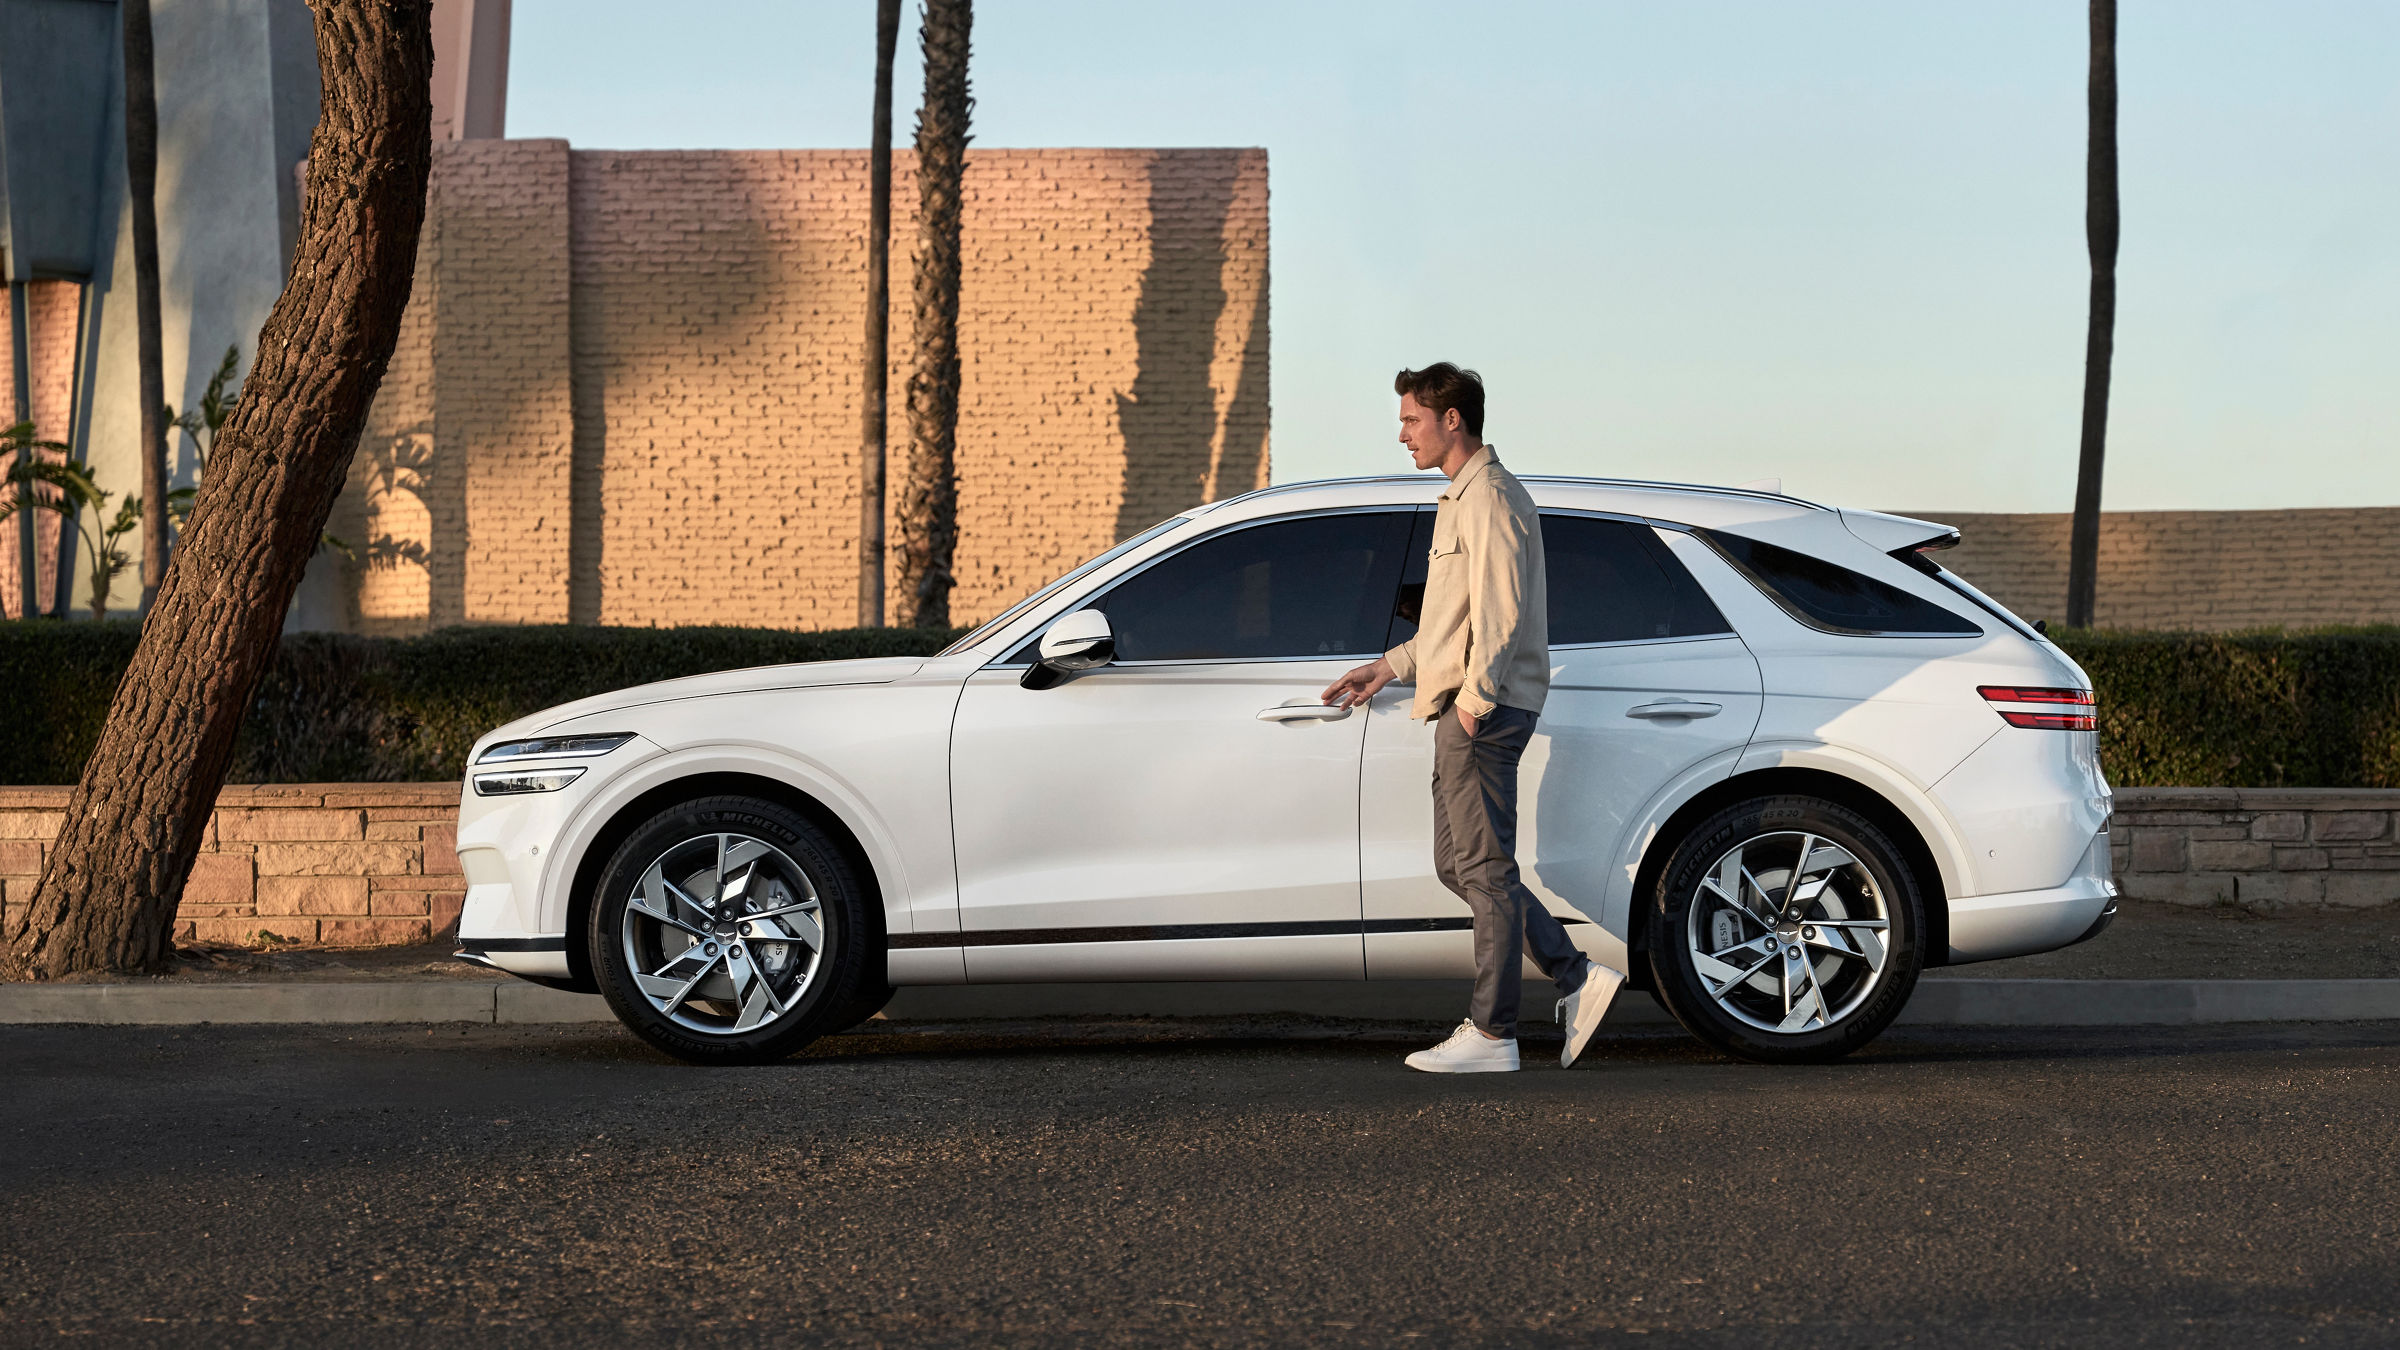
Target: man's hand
[[1466, 719], [1359, 685]]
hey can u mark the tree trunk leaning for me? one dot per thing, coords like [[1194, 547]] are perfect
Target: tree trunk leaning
[[141, 181], [108, 895], [875, 400], [929, 504], [2099, 347]]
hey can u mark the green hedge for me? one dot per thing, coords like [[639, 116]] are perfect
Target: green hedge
[[2268, 709], [2313, 709], [341, 709]]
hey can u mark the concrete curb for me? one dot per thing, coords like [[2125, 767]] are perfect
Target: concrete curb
[[1938, 1002]]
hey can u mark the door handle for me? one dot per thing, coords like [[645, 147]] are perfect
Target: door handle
[[1304, 712], [1674, 707]]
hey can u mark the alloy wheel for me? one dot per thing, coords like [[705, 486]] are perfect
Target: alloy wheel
[[723, 934], [1788, 932]]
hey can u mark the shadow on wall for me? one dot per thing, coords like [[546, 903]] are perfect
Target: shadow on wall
[[1177, 451]]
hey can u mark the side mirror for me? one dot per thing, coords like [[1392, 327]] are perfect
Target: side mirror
[[1079, 641]]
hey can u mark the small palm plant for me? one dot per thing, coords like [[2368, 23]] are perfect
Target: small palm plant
[[73, 493]]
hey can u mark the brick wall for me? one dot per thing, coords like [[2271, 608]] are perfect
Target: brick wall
[[627, 386], [2211, 571], [53, 312], [335, 863]]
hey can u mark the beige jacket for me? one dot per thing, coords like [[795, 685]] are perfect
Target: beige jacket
[[1483, 636]]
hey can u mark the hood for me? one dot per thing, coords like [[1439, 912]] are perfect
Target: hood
[[809, 675]]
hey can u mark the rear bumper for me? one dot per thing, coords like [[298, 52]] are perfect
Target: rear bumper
[[2019, 923]]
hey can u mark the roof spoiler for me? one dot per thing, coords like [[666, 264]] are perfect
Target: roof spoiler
[[1898, 535]]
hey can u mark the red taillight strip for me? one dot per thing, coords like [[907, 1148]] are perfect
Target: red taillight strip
[[2050, 721], [2001, 693]]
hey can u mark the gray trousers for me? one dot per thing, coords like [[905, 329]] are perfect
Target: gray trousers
[[1475, 855]]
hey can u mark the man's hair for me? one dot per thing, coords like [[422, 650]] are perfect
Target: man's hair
[[1442, 386]]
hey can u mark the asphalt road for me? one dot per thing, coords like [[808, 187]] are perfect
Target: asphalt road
[[1234, 1183]]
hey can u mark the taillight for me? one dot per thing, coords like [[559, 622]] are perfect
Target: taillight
[[2056, 710]]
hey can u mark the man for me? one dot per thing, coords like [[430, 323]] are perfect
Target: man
[[1481, 663]]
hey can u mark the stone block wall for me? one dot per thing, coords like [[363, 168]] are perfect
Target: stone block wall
[[627, 389], [2204, 571], [343, 864], [2259, 848]]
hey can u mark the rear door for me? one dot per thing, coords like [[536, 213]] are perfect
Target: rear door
[[1647, 681]]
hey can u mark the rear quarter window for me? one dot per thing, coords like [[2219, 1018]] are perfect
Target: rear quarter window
[[1833, 598], [1613, 581]]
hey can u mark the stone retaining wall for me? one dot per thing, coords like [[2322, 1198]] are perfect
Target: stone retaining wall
[[354, 864], [2259, 848], [346, 864]]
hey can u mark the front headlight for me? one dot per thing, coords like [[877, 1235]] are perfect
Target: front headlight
[[555, 746], [526, 780]]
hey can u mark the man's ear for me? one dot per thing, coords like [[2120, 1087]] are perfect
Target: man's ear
[[1452, 419]]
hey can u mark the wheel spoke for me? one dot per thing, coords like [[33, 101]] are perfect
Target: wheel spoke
[[643, 905], [681, 897], [789, 926], [676, 994], [1824, 857], [1723, 977], [1727, 885]]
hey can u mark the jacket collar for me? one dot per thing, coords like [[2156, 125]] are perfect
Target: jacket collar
[[1481, 460]]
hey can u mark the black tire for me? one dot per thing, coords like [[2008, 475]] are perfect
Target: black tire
[[1807, 1000], [772, 883], [873, 996]]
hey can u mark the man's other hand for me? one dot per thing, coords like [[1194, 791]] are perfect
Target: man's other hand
[[1466, 719], [1359, 685]]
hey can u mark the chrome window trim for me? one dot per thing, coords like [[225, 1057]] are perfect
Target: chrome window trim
[[1394, 508], [1728, 635]]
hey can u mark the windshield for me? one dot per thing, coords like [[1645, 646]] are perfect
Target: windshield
[[991, 626]]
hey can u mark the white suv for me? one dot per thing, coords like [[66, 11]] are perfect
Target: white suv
[[1787, 762]]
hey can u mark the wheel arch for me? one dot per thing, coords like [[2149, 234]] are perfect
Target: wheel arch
[[1777, 781], [632, 814]]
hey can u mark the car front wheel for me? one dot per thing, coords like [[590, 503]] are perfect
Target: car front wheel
[[730, 930], [1786, 929]]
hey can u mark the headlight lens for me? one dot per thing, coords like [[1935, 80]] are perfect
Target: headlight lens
[[526, 780], [599, 744]]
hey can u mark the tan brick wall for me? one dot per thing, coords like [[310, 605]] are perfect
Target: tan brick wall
[[333, 863], [1113, 328], [2210, 571]]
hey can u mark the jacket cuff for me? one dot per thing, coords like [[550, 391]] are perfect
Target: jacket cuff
[[1474, 705], [1403, 659]]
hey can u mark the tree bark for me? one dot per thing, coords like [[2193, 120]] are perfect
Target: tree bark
[[141, 181], [875, 400], [2099, 344], [108, 895], [929, 505]]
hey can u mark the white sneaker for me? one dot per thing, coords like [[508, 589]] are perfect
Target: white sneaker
[[1467, 1051], [1580, 1012]]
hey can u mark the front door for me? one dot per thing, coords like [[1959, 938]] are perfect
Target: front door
[[1188, 811], [1646, 681]]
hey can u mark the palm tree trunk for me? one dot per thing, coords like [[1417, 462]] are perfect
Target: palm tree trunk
[[108, 894], [2099, 344], [929, 504], [875, 400], [141, 181]]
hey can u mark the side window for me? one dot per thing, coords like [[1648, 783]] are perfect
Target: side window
[[1612, 581], [1834, 598], [1321, 586]]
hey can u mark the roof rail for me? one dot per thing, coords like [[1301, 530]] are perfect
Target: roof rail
[[1758, 494]]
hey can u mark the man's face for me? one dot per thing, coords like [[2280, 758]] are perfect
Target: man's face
[[1428, 435]]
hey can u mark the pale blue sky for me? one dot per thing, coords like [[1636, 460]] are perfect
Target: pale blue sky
[[1713, 240]]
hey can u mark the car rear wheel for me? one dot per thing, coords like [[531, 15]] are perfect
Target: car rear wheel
[[730, 930], [1786, 929]]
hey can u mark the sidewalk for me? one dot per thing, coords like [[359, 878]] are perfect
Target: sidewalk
[[2157, 966]]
